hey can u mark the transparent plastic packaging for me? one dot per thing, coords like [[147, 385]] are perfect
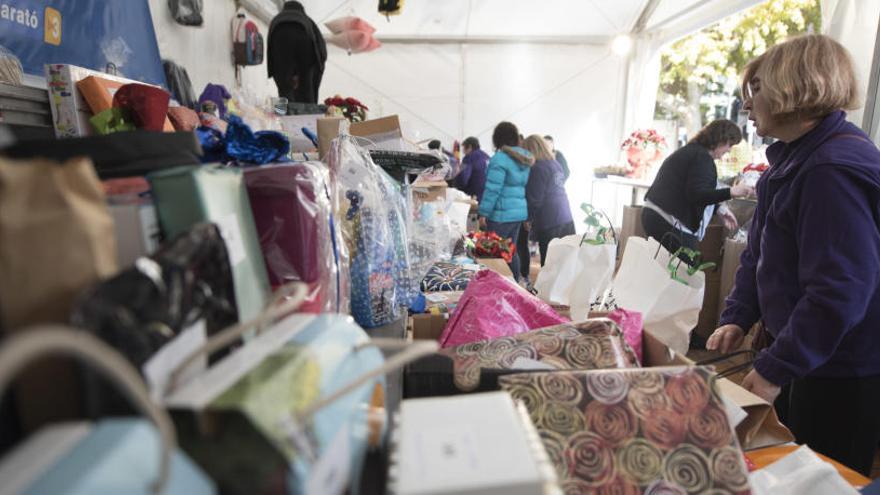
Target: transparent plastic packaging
[[294, 220], [374, 231]]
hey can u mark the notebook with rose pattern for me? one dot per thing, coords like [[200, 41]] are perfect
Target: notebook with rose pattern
[[649, 430]]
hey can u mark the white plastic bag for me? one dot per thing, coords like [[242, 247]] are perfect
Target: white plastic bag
[[800, 473], [575, 274], [670, 307]]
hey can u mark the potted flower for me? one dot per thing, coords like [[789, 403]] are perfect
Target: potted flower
[[643, 148], [350, 108]]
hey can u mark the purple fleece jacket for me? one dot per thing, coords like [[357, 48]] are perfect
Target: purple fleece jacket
[[812, 265]]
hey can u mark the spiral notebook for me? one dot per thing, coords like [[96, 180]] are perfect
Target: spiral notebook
[[474, 444]]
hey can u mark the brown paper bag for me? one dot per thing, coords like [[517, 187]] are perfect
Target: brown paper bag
[[56, 238], [762, 427], [632, 226]]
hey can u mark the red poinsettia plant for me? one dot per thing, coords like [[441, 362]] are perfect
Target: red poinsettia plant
[[490, 245], [350, 108], [644, 138]]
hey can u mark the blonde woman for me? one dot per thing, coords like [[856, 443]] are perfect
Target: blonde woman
[[549, 212], [812, 267]]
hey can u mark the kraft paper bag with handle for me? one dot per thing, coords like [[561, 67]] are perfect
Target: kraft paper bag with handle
[[670, 306], [574, 273], [56, 238], [761, 428]]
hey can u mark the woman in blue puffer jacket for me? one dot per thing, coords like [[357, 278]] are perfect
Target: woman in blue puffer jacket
[[503, 207]]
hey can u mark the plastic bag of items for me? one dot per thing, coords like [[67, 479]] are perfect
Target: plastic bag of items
[[374, 231], [297, 231], [493, 307]]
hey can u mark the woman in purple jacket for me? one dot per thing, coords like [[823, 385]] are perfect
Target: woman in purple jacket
[[812, 267], [549, 211]]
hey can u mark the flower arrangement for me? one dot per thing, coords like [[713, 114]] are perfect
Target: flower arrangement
[[643, 138], [350, 108], [489, 245], [643, 147]]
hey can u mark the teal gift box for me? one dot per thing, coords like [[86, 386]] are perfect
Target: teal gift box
[[112, 457], [188, 195], [240, 419]]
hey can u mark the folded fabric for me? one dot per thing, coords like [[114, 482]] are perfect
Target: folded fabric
[[244, 145], [592, 344], [112, 120], [649, 430], [444, 277], [147, 105], [493, 306]]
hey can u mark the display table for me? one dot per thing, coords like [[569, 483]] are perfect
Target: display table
[[637, 186], [764, 457]]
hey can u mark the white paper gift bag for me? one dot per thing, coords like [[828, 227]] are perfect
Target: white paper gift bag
[[670, 306], [575, 273]]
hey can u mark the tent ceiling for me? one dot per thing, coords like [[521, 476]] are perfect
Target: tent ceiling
[[488, 19]]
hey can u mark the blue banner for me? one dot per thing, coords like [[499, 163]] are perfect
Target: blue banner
[[95, 34]]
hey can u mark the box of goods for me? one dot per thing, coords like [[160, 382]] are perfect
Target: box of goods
[[649, 430], [250, 420], [189, 195]]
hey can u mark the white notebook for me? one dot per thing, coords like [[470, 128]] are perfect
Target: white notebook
[[470, 444]]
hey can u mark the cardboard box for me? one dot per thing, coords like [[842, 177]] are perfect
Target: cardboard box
[[711, 245], [328, 129], [497, 265], [632, 226], [428, 326], [732, 252], [710, 312], [384, 132], [428, 192], [137, 230]]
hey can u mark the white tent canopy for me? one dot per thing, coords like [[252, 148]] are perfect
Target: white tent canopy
[[455, 68]]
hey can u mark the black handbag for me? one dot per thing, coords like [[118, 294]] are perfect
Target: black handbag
[[143, 308]]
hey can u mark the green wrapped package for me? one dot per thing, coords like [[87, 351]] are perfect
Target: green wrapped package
[[188, 195]]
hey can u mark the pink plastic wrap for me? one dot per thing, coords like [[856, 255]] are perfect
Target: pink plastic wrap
[[630, 322], [492, 307], [292, 212]]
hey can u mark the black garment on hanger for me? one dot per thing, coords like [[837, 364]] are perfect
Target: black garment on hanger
[[179, 84], [297, 53]]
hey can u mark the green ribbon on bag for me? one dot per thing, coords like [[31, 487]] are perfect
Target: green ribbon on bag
[[693, 267], [112, 120], [594, 221]]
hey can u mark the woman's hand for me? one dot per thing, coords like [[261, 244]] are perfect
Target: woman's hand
[[726, 339], [482, 222], [741, 191], [758, 385], [729, 220], [527, 226]]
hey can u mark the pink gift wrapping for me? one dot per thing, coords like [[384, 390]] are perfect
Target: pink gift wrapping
[[631, 324], [492, 307]]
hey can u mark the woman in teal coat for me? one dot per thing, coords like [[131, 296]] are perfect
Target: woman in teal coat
[[503, 207]]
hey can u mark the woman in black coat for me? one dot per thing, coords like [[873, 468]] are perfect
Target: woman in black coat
[[681, 201]]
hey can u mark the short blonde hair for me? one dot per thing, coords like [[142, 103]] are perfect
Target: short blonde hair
[[807, 76], [538, 147]]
